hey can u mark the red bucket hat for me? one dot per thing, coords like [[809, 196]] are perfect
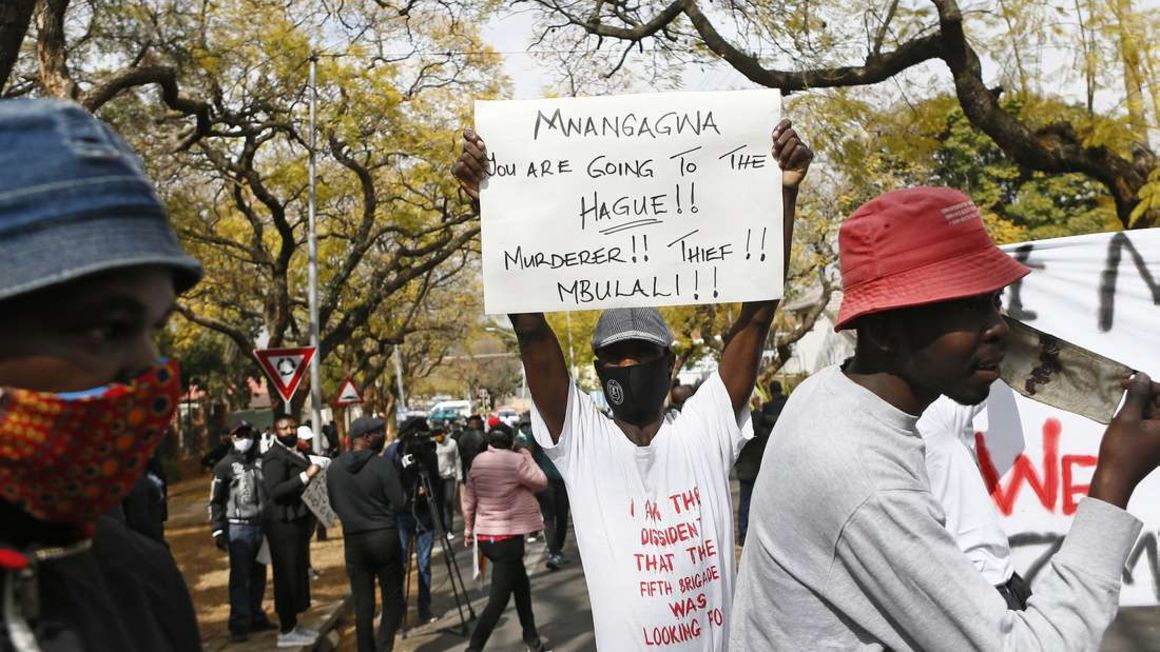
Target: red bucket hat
[[917, 246]]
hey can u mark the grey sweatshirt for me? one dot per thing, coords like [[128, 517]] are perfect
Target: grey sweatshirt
[[847, 549]]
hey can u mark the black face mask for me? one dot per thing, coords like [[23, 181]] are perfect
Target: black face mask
[[289, 442], [636, 393]]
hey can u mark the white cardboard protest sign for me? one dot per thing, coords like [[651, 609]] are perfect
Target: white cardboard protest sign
[[1101, 292], [634, 200], [318, 500]]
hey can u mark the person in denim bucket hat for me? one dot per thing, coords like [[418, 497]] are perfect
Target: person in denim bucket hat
[[75, 200], [89, 271]]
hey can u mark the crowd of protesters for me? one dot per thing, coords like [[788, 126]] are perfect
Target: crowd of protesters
[[845, 543]]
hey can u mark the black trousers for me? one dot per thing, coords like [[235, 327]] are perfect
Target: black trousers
[[554, 507], [370, 555], [446, 499], [290, 559], [508, 576]]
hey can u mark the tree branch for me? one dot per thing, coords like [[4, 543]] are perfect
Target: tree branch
[[640, 31], [381, 288], [1055, 148], [163, 76], [877, 67], [244, 343]]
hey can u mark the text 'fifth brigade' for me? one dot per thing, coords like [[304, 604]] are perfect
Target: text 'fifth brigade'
[[635, 200]]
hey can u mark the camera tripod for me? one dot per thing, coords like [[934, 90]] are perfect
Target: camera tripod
[[458, 590]]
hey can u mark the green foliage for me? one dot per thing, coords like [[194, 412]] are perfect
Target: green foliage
[[1149, 196], [210, 361], [933, 143]]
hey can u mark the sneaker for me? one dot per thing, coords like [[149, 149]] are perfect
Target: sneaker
[[297, 637], [540, 645], [239, 637], [428, 619], [553, 562], [450, 536], [315, 574], [563, 559]]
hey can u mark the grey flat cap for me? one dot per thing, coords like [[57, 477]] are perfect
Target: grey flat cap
[[619, 324]]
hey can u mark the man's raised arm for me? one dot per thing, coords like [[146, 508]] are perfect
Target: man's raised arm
[[540, 351], [545, 369], [746, 339]]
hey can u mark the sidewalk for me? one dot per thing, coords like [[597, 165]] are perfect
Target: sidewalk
[[206, 571]]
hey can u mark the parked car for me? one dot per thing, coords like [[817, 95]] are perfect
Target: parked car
[[509, 415], [449, 411], [403, 415]]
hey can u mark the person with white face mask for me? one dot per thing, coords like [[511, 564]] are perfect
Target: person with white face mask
[[235, 510]]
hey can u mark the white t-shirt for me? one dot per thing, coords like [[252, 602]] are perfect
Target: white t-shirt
[[654, 523], [955, 480]]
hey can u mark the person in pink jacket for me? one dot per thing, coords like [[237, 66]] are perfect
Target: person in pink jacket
[[500, 509]]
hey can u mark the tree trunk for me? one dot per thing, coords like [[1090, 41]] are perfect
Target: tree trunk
[[52, 52], [1133, 68], [15, 16]]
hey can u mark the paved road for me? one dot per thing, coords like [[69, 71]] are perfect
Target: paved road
[[564, 616], [560, 603]]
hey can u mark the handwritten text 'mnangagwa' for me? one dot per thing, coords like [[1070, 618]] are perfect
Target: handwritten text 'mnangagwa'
[[627, 125]]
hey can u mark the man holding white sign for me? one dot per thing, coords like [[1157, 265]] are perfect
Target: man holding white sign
[[630, 201], [651, 501]]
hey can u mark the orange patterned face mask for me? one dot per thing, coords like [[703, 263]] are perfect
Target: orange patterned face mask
[[68, 458]]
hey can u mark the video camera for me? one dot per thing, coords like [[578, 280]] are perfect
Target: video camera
[[416, 450]]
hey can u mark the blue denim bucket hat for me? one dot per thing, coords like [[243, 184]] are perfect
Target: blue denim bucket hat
[[75, 200]]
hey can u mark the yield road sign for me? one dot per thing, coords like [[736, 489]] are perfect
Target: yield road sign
[[285, 367]]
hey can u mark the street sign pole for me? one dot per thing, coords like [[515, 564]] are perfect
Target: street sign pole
[[399, 378], [315, 362]]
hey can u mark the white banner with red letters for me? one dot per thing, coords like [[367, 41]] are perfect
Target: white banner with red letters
[[1101, 292]]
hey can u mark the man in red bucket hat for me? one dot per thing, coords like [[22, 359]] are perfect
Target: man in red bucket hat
[[846, 547]]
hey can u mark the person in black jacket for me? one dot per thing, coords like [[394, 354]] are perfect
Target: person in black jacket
[[748, 463], [146, 508], [215, 454], [472, 442], [235, 513], [366, 493], [330, 433], [289, 524], [89, 271]]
